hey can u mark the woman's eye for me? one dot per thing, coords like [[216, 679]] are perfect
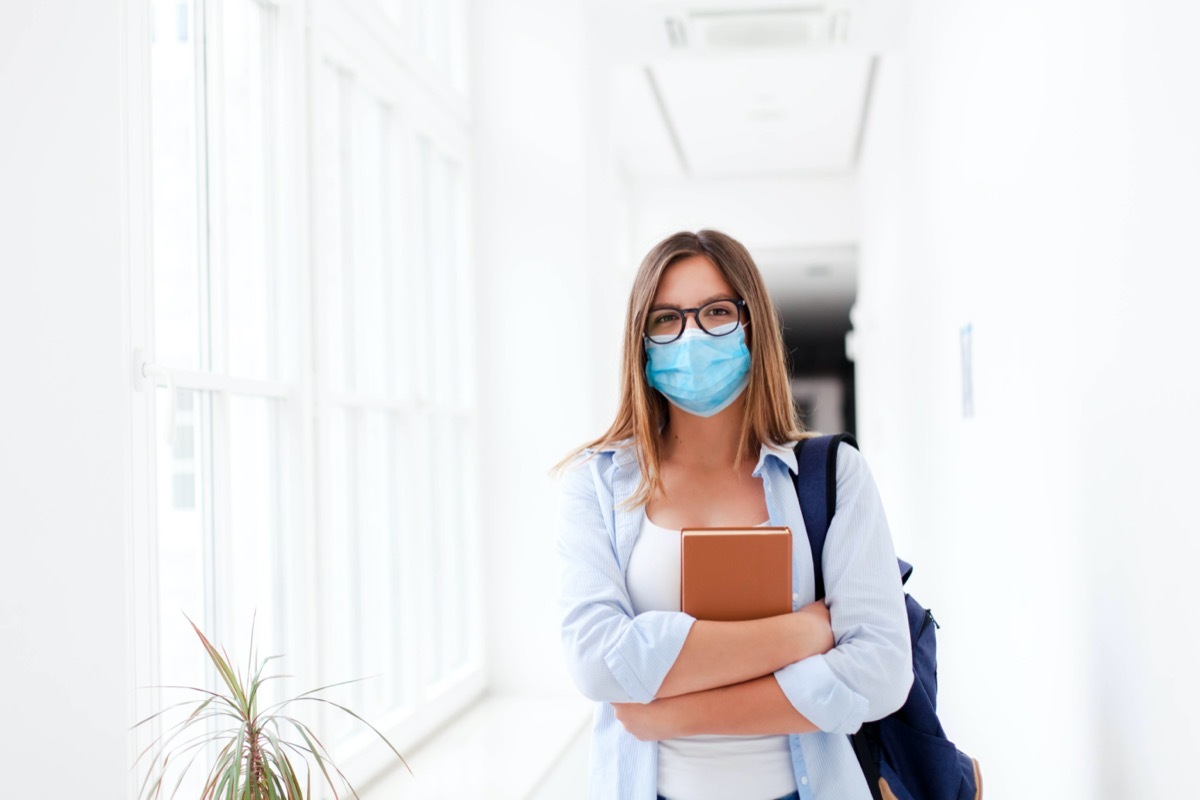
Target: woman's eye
[[663, 319]]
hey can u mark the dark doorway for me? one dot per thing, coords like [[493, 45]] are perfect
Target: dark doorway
[[822, 375], [814, 289]]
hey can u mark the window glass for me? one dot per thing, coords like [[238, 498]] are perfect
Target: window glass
[[183, 521], [243, 148], [254, 581], [334, 218], [339, 559], [370, 268], [180, 274], [378, 535]]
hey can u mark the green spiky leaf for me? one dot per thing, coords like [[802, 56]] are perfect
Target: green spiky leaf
[[254, 759]]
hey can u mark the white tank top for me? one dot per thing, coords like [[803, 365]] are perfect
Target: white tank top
[[705, 766]]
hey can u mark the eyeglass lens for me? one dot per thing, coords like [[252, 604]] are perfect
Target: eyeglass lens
[[666, 324]]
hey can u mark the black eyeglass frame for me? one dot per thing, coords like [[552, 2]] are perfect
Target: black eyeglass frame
[[695, 312]]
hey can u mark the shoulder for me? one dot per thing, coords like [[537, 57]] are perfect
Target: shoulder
[[620, 452], [849, 457], [612, 448], [593, 465], [853, 471]]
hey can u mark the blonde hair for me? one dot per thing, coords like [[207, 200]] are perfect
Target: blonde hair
[[770, 413]]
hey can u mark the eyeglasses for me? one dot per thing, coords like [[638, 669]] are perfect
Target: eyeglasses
[[666, 323]]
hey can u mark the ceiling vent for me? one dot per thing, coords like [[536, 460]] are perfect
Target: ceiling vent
[[783, 27]]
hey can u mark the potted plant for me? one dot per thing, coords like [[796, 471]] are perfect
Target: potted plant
[[260, 748]]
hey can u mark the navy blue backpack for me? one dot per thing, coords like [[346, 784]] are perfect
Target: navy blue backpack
[[905, 755]]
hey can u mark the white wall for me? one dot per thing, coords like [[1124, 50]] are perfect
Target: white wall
[[64, 416], [1035, 173], [548, 233], [758, 212]]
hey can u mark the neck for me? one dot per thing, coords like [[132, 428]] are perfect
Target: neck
[[704, 441]]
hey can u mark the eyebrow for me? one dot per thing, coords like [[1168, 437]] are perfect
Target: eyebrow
[[720, 296]]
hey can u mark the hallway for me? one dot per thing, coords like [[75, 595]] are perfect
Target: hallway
[[300, 300]]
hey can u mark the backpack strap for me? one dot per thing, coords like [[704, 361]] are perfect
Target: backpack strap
[[816, 486]]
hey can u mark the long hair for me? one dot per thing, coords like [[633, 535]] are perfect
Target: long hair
[[770, 413]]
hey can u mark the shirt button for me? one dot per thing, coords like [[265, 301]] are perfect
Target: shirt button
[[804, 780]]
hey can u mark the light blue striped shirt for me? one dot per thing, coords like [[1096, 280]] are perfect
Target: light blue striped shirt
[[615, 656]]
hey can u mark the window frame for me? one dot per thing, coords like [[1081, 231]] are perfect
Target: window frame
[[362, 34], [413, 112]]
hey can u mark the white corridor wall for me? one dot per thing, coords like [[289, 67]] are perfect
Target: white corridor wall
[[549, 238], [1034, 172], [64, 416]]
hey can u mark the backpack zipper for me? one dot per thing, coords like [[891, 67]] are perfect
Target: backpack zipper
[[928, 619]]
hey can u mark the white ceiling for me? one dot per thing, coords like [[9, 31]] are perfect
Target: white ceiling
[[735, 116], [745, 89]]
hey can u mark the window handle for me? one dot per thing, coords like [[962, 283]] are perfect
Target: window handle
[[147, 376]]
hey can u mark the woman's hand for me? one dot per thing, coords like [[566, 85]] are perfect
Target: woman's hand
[[651, 721]]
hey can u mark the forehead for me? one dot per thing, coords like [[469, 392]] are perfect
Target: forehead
[[690, 281]]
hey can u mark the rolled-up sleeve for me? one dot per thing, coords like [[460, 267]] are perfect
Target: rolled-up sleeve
[[611, 654], [868, 673]]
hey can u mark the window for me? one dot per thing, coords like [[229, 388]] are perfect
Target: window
[[436, 27], [306, 290]]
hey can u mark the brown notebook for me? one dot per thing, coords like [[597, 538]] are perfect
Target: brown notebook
[[735, 573]]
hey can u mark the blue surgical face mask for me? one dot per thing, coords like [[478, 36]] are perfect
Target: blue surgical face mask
[[700, 373]]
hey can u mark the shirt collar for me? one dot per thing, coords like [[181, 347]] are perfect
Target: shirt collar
[[623, 451], [784, 452]]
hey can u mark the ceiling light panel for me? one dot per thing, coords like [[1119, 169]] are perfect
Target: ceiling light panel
[[755, 30], [767, 113]]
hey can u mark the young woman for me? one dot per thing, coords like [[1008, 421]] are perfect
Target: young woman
[[693, 709]]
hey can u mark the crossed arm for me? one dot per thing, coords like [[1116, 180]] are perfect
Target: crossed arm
[[723, 682], [668, 674]]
